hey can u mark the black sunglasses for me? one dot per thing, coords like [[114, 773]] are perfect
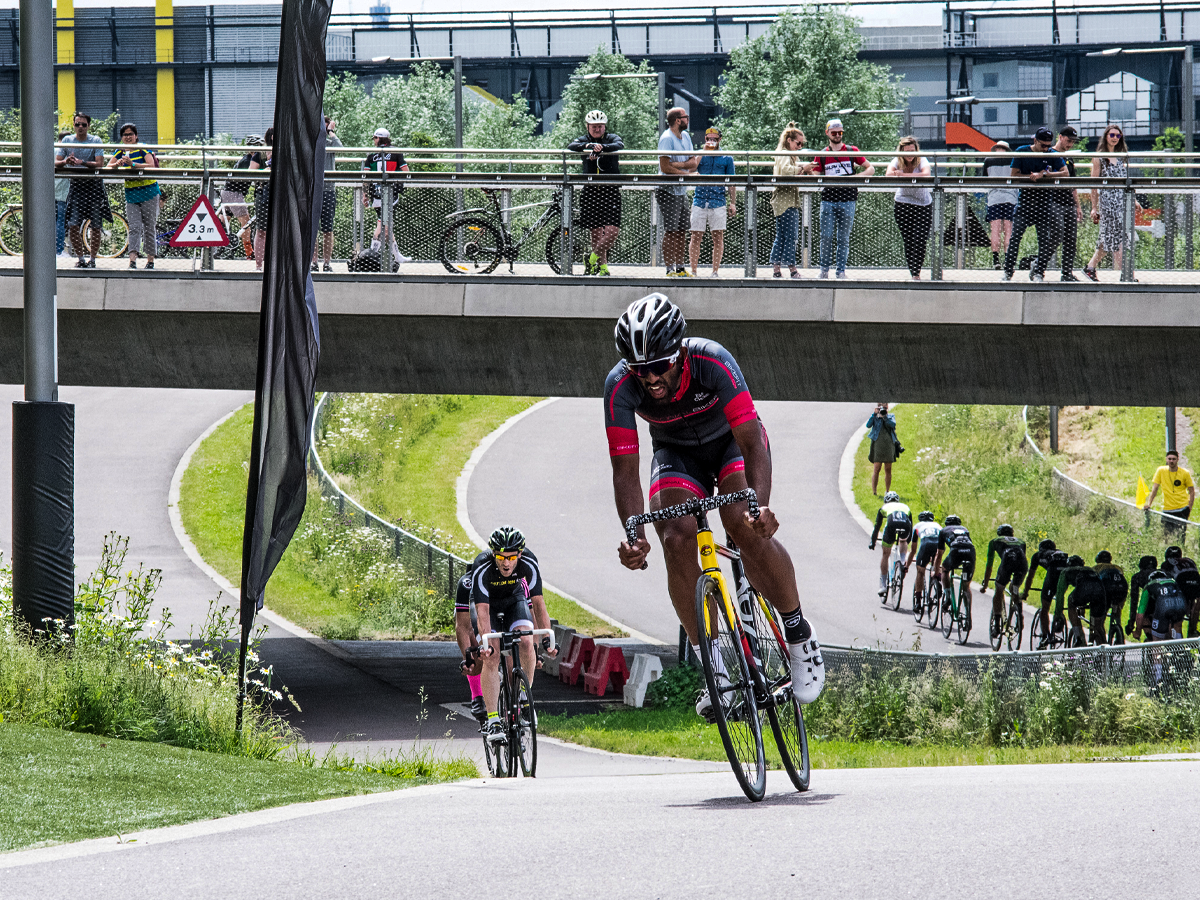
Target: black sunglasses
[[656, 367], [128, 134]]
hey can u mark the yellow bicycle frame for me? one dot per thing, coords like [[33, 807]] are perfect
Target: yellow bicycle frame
[[710, 565]]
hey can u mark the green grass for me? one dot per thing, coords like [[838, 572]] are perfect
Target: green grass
[[680, 733], [60, 786], [970, 460]]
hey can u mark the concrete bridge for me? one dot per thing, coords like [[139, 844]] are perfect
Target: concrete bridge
[[836, 341]]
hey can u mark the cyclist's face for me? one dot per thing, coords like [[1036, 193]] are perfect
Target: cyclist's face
[[507, 563], [597, 129], [659, 387]]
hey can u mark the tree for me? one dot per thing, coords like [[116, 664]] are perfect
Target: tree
[[502, 125], [631, 104], [806, 65], [418, 109]]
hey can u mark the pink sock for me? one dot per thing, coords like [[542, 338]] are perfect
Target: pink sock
[[476, 683]]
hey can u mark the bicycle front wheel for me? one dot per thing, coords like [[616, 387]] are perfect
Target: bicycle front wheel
[[787, 718], [933, 604], [114, 236], [1016, 622], [526, 729], [1035, 631], [471, 247], [897, 587], [964, 611], [498, 755], [731, 688], [12, 232], [554, 248], [949, 612], [918, 605]]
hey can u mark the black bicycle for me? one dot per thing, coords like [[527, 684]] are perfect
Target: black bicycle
[[515, 706], [1008, 627], [478, 238]]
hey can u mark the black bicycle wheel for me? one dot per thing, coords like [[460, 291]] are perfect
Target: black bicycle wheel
[[526, 729], [499, 759], [471, 247], [918, 604], [554, 248], [1016, 621], [1076, 638], [964, 610], [734, 708], [995, 630], [787, 718], [933, 603], [1035, 631], [1058, 631], [12, 232], [897, 586], [949, 614]]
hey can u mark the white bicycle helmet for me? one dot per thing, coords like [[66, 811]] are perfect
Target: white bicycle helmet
[[596, 117]]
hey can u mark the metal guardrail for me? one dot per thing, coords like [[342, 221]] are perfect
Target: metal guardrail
[[440, 568]]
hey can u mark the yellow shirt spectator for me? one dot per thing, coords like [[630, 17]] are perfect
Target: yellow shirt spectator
[[1174, 486]]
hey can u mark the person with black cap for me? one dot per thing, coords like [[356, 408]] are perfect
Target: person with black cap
[[1035, 206], [1070, 208]]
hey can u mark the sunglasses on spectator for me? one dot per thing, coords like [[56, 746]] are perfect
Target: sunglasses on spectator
[[508, 557], [1113, 134], [128, 134], [835, 133], [656, 367]]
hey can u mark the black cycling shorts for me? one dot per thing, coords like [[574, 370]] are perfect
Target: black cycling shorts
[[698, 470], [1012, 568], [896, 529], [505, 614], [1088, 596], [925, 553], [960, 558], [600, 205]]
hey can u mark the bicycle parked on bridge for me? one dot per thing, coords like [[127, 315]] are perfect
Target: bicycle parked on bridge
[[750, 672], [517, 712], [114, 235], [478, 238]]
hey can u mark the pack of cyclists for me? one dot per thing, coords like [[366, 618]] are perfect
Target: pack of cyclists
[[1160, 598]]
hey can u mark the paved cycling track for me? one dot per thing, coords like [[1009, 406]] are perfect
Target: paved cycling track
[[593, 823]]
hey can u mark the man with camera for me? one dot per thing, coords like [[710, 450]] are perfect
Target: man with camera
[[885, 447]]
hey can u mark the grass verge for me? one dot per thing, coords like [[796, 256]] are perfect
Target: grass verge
[[682, 734], [61, 786]]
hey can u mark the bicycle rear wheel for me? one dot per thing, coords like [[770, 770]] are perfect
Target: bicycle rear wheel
[[471, 247], [526, 729], [949, 612], [12, 232], [897, 586], [964, 611], [500, 763], [1016, 621], [787, 718], [1035, 631], [918, 604], [735, 710], [114, 236], [933, 604]]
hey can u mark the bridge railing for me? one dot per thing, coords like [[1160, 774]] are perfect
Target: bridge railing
[[477, 212]]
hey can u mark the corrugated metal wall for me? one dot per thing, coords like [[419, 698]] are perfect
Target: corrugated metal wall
[[243, 100]]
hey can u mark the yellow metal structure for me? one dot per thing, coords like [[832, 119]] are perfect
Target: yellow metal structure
[[64, 30], [164, 52]]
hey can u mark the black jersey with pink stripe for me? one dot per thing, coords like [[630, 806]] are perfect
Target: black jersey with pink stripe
[[712, 399]]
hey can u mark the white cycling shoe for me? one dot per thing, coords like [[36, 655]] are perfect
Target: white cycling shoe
[[808, 670], [704, 706]]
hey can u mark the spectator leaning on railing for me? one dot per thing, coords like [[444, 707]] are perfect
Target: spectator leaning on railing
[[838, 159], [328, 197], [87, 204], [1035, 207], [708, 203], [141, 195], [785, 199], [1068, 204], [599, 204], [676, 144], [1001, 202], [1108, 205], [62, 186], [914, 204]]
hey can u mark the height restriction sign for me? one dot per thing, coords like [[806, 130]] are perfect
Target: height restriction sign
[[200, 227]]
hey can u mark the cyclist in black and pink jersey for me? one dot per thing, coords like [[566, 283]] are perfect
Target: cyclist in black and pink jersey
[[706, 434]]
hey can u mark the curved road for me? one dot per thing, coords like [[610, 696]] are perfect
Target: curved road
[[549, 474]]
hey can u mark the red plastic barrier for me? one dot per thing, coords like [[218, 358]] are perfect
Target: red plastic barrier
[[579, 655], [608, 663]]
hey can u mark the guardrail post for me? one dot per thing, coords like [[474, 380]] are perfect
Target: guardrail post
[[206, 188], [1189, 255], [429, 558], [939, 234], [960, 229], [385, 247], [566, 239], [806, 230], [751, 205], [1131, 234]]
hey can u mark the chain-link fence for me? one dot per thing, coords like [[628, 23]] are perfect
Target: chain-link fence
[[471, 212], [439, 568]]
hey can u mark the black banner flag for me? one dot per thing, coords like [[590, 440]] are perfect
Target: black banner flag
[[288, 340]]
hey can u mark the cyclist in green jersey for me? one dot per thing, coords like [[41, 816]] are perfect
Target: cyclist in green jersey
[[1013, 566]]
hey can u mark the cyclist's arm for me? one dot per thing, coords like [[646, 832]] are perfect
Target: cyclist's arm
[[581, 144], [627, 491], [1060, 595], [878, 525], [987, 572], [541, 618], [937, 560]]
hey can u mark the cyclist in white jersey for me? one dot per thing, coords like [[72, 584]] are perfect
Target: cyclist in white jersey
[[923, 548]]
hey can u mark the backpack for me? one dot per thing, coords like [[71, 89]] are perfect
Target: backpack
[[370, 261], [1116, 588]]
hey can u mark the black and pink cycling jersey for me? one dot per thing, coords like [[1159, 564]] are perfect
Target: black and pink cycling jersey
[[711, 401]]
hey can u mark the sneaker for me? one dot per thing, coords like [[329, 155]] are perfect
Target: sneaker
[[91, 263], [315, 268], [841, 275], [602, 270], [808, 670], [81, 263], [996, 261], [684, 273], [495, 732], [1090, 273], [591, 265], [401, 258], [479, 711], [149, 264], [674, 271], [704, 705], [1068, 276], [1036, 276], [1007, 276], [824, 273], [327, 267]]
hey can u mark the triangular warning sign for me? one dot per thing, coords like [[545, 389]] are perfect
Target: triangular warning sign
[[200, 227]]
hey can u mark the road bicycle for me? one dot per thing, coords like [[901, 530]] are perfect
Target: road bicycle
[[515, 706], [114, 235], [1057, 636], [1114, 637], [895, 582], [744, 654], [478, 238], [929, 603], [955, 612], [1012, 625]]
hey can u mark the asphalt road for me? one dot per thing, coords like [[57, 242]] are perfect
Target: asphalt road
[[998, 831], [549, 474]]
